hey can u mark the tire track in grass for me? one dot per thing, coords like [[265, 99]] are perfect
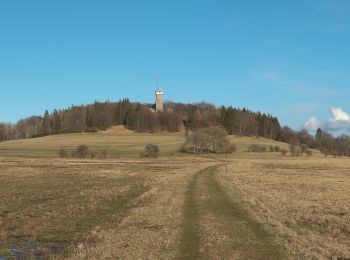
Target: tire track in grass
[[216, 227]]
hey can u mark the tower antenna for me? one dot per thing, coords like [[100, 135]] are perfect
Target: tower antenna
[[157, 82]]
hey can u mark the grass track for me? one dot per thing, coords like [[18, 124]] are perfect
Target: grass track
[[216, 227]]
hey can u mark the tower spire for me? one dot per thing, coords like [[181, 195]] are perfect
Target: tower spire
[[157, 83]]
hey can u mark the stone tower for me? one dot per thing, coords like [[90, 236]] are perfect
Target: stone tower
[[159, 100]]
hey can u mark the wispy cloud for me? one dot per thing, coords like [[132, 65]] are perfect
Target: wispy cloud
[[278, 80], [302, 108]]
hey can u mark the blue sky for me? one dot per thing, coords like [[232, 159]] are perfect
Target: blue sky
[[287, 58]]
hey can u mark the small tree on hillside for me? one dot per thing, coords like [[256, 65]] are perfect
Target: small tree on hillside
[[198, 141], [82, 151], [151, 150], [217, 137]]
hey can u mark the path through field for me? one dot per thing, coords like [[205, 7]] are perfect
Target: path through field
[[187, 214], [215, 227]]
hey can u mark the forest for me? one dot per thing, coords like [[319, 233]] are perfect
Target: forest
[[176, 117]]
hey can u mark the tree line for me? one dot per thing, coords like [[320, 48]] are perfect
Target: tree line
[[177, 117], [323, 141], [140, 117]]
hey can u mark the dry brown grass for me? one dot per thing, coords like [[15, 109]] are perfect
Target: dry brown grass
[[117, 142], [134, 208], [152, 229], [305, 201], [89, 208], [124, 143]]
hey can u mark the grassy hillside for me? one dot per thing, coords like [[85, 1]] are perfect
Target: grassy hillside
[[116, 141], [120, 141]]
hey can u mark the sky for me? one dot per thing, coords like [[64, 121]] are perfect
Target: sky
[[289, 58]]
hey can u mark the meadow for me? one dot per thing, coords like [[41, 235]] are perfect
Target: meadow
[[266, 206]]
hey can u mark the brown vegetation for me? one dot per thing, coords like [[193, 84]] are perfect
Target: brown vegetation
[[298, 202], [305, 201], [151, 150]]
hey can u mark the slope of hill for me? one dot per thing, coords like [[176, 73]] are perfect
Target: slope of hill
[[119, 141]]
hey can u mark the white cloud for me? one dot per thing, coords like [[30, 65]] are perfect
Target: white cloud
[[312, 124], [339, 122], [339, 115]]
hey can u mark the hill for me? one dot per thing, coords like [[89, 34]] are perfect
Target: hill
[[122, 142]]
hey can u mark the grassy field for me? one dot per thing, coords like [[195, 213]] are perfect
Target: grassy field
[[265, 206], [305, 201], [120, 142], [117, 141]]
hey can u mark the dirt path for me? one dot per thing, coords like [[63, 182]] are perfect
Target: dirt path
[[215, 227]]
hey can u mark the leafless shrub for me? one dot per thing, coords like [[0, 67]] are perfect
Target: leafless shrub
[[151, 150], [82, 151]]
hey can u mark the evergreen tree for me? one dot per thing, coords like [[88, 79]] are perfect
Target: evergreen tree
[[56, 125], [318, 134], [45, 124]]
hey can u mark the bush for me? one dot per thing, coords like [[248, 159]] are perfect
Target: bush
[[82, 151], [63, 153], [308, 152], [257, 148], [151, 150]]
